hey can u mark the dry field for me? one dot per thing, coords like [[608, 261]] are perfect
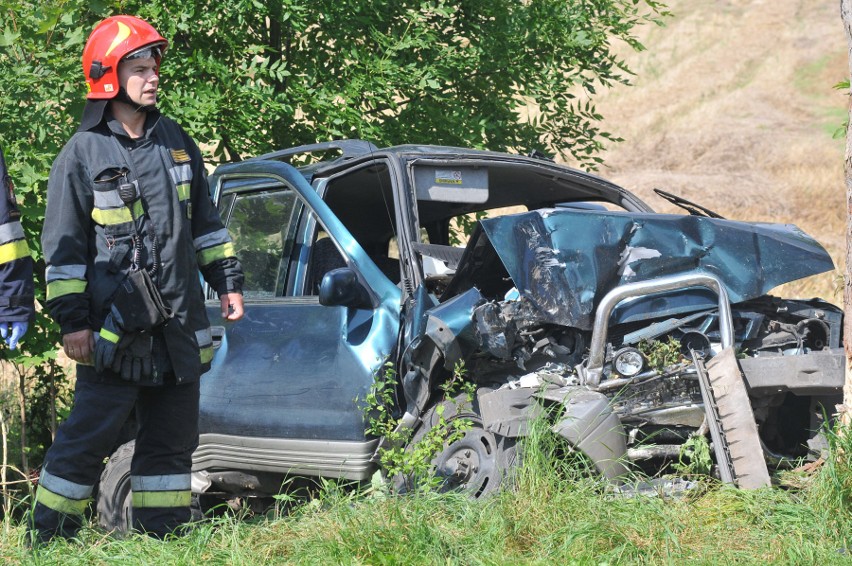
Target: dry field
[[733, 108]]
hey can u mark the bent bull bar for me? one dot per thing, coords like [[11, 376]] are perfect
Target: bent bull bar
[[733, 429], [591, 373]]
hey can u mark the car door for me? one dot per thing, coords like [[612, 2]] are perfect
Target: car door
[[288, 380]]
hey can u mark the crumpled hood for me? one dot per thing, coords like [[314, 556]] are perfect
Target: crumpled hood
[[564, 261]]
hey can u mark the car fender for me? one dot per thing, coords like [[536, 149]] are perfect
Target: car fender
[[588, 421]]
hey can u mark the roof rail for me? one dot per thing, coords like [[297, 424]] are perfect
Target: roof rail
[[348, 148]]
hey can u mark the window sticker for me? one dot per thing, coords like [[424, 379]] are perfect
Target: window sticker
[[448, 177]]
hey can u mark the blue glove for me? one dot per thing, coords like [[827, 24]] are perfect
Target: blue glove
[[18, 331], [107, 343]]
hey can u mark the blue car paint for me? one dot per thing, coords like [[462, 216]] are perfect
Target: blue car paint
[[316, 363], [450, 326], [288, 370], [564, 261], [385, 291]]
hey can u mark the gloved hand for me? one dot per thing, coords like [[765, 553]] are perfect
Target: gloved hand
[[19, 329], [134, 360], [108, 342]]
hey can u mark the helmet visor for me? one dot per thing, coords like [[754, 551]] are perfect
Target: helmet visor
[[155, 51]]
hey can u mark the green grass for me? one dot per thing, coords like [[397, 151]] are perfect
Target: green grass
[[558, 514]]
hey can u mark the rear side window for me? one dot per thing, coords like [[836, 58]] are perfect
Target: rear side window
[[262, 225]]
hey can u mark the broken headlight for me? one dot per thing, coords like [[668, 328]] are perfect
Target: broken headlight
[[628, 362]]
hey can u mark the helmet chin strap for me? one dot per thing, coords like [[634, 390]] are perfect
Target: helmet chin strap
[[122, 96]]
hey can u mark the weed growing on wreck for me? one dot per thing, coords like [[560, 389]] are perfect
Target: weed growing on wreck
[[694, 457], [660, 354], [398, 457]]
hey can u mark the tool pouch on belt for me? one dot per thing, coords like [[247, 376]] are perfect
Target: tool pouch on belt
[[139, 303]]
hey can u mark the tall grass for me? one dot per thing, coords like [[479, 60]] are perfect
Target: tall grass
[[558, 513]]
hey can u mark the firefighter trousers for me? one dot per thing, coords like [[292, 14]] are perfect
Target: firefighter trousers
[[167, 435]]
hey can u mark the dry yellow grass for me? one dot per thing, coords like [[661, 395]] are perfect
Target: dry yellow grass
[[733, 108]]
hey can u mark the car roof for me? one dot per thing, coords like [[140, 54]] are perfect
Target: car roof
[[341, 155], [353, 149]]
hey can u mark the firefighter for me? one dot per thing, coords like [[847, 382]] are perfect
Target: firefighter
[[128, 226], [16, 266]]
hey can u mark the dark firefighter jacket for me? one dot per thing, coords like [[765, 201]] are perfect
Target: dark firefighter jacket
[[16, 264], [88, 232]]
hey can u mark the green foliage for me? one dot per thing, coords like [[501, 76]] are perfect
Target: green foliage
[[694, 457], [661, 355], [833, 486], [840, 132], [40, 99], [398, 456], [464, 224], [276, 73], [256, 75], [550, 461]]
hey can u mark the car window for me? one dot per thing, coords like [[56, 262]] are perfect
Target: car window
[[460, 227], [324, 257], [363, 201], [262, 225]]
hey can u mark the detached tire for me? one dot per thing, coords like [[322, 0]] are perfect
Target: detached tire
[[115, 512], [478, 464]]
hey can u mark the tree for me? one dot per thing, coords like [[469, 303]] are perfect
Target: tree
[[38, 103], [249, 76], [846, 15], [260, 75]]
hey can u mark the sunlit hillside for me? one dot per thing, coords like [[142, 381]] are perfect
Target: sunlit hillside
[[734, 108]]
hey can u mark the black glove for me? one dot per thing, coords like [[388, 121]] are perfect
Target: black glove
[[135, 361], [109, 342]]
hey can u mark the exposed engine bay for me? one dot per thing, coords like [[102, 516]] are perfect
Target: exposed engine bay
[[521, 309], [652, 382]]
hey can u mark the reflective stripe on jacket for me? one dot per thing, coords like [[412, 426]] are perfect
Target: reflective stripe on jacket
[[88, 234], [16, 264]]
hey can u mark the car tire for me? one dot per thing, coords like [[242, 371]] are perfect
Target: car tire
[[479, 464], [115, 512]]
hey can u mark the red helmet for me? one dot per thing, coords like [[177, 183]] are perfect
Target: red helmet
[[111, 40]]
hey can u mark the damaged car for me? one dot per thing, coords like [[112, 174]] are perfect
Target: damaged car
[[550, 297]]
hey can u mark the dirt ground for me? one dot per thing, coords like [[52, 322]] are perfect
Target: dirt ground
[[733, 107]]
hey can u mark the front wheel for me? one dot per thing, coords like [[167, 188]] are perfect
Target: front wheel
[[115, 512], [480, 462]]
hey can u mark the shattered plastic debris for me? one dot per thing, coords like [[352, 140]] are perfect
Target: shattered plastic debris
[[557, 374], [512, 294]]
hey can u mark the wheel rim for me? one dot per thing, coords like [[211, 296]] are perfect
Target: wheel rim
[[470, 464]]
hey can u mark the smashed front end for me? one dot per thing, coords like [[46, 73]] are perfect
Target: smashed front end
[[646, 328]]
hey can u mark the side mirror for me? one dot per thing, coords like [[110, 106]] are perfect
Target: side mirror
[[341, 287]]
